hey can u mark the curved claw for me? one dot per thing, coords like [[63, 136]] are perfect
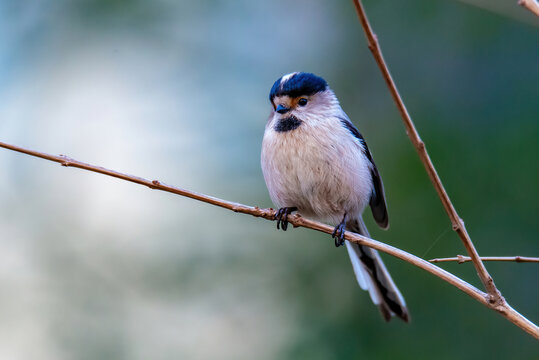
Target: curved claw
[[278, 216], [282, 217], [338, 233]]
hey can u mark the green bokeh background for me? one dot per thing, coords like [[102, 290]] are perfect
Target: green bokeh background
[[96, 268]]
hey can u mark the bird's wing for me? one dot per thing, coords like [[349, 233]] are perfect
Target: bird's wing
[[377, 200]]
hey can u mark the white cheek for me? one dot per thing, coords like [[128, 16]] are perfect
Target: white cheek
[[305, 113], [273, 119]]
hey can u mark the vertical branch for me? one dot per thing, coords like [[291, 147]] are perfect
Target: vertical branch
[[456, 221], [532, 5]]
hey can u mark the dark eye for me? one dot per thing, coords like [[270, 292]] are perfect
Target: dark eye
[[302, 102]]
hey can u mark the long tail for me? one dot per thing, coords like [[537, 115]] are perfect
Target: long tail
[[373, 276]]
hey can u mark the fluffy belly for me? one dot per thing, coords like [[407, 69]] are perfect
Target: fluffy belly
[[324, 180]]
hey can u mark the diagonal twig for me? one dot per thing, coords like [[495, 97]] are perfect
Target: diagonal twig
[[297, 221], [532, 5], [462, 259], [458, 224]]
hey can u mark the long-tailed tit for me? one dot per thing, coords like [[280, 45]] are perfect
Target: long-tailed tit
[[315, 161]]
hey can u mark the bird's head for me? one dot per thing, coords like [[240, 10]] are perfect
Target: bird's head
[[300, 97]]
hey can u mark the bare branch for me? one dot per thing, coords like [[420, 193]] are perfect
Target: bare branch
[[531, 5], [462, 259], [297, 221], [456, 221], [152, 184]]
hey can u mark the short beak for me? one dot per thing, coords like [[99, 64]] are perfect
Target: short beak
[[281, 109]]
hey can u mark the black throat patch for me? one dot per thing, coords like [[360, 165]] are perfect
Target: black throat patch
[[287, 124]]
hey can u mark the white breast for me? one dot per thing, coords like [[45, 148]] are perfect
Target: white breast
[[320, 168]]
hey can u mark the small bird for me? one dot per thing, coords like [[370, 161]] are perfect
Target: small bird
[[317, 163]]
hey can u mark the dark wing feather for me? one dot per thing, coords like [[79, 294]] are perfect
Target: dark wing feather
[[377, 201]]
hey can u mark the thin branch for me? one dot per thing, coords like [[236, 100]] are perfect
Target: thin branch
[[297, 221], [531, 5], [462, 259], [456, 221]]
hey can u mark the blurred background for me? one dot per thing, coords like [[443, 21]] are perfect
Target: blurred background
[[96, 268]]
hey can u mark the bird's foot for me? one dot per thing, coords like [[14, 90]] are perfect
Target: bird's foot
[[282, 216], [338, 233]]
